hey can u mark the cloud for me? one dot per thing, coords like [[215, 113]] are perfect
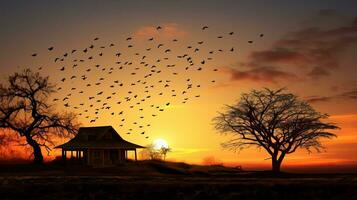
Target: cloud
[[318, 72], [275, 56], [318, 99], [351, 95], [264, 74], [168, 31], [179, 151], [311, 51]]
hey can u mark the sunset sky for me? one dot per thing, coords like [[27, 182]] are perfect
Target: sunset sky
[[308, 47]]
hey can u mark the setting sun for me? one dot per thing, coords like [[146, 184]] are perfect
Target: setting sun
[[205, 99], [160, 143]]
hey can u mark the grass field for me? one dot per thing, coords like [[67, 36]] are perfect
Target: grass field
[[164, 180]]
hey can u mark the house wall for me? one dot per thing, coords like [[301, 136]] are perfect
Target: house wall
[[95, 157]]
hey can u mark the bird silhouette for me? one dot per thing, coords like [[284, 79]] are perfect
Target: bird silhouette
[[144, 79]]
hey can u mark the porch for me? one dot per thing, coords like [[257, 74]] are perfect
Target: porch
[[98, 157]]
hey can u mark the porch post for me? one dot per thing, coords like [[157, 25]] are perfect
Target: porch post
[[63, 155], [135, 155], [83, 156]]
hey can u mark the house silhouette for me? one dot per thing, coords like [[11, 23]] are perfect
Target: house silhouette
[[100, 145]]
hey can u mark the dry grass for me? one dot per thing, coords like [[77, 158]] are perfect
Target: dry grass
[[167, 180]]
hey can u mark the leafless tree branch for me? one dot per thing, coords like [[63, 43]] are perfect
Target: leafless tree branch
[[274, 120]]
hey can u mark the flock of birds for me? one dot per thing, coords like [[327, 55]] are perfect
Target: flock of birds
[[126, 83]]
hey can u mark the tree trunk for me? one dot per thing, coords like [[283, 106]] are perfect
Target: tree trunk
[[276, 161], [37, 153], [276, 165]]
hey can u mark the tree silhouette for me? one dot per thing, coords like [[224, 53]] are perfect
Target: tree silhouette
[[153, 153], [276, 121], [163, 151], [24, 110]]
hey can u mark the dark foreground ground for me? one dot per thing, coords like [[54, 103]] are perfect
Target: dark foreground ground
[[157, 180]]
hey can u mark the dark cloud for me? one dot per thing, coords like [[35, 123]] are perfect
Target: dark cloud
[[349, 95], [274, 56], [318, 99], [265, 74], [312, 51], [318, 72]]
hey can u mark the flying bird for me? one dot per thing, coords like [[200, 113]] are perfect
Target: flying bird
[[153, 75]]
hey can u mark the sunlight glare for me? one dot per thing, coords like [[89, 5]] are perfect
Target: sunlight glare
[[160, 143]]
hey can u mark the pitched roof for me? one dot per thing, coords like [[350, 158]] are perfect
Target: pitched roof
[[94, 137]]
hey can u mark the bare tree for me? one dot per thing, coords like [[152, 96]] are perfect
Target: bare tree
[[276, 121], [24, 109], [152, 153], [163, 151]]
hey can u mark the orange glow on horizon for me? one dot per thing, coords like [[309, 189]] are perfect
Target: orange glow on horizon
[[186, 125]]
